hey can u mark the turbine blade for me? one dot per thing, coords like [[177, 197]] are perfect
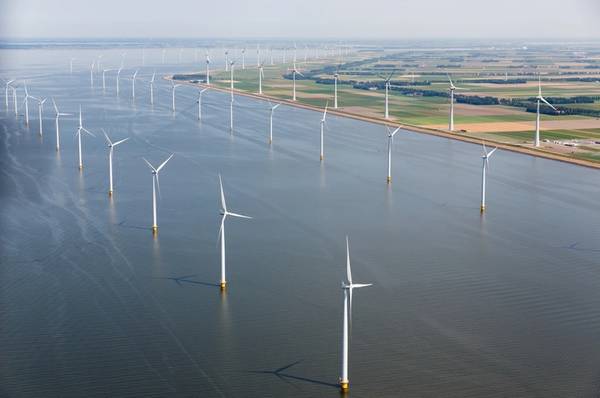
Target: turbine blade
[[221, 228], [276, 106], [348, 269], [492, 151], [149, 165], [359, 285], [238, 215], [158, 185], [547, 103], [395, 131], [55, 107], [107, 139], [223, 205], [88, 131], [120, 142], [164, 163]]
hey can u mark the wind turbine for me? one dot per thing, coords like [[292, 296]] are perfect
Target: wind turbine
[[243, 58], [336, 76], [347, 287], [26, 102], [173, 93], [163, 56], [71, 65], [79, 130], [200, 103], [92, 74], [133, 84], [224, 212], [258, 55], [391, 135], [152, 88], [119, 76], [271, 123], [155, 186], [103, 78], [261, 75], [231, 102], [14, 95], [226, 61], [40, 109], [294, 72], [6, 92], [111, 147], [207, 69], [452, 88], [539, 99], [58, 115], [486, 156], [387, 94], [323, 128]]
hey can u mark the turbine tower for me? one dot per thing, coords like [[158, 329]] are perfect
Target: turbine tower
[[294, 72], [8, 85], [58, 115], [539, 99], [347, 286], [92, 74], [224, 212], [152, 88], [243, 58], [173, 94], [104, 78], [261, 75], [391, 135], [133, 84], [118, 77], [111, 147], [26, 102], [387, 94], [155, 186], [486, 156], [336, 76], [323, 128], [452, 88], [271, 123], [79, 131], [200, 103], [40, 110], [207, 69]]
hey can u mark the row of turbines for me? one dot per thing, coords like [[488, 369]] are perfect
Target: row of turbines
[[348, 285]]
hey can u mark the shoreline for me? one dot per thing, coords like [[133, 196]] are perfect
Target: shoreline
[[409, 127]]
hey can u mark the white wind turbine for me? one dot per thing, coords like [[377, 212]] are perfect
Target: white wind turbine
[[336, 76], [14, 95], [103, 78], [79, 130], [294, 72], [261, 75], [539, 99], [347, 286], [111, 147], [152, 88], [231, 102], [486, 156], [258, 55], [226, 60], [243, 58], [391, 135], [119, 76], [273, 107], [452, 88], [6, 91], [200, 103], [155, 186], [92, 74], [58, 115], [71, 65], [207, 69], [224, 212], [173, 94], [323, 128], [26, 102], [387, 94], [133, 84], [40, 110]]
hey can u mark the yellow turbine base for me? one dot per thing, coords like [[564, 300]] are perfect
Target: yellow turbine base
[[223, 285], [80, 167], [389, 179], [110, 193], [345, 386], [321, 157], [482, 209], [155, 229]]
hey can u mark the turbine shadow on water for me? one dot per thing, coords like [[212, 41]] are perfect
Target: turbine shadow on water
[[180, 280], [283, 376]]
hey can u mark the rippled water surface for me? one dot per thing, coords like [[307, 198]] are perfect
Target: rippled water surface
[[503, 305]]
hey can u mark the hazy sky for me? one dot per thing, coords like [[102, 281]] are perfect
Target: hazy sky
[[393, 19]]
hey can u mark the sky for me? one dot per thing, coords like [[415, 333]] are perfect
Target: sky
[[372, 19]]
